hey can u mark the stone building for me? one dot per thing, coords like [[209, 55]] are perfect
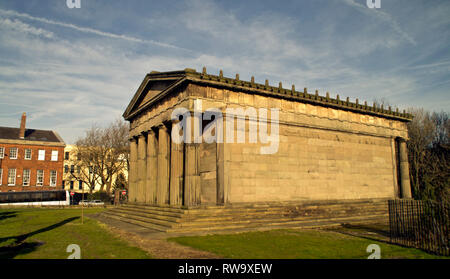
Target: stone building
[[329, 148], [30, 159]]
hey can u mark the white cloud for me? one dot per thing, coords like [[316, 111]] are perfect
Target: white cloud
[[17, 25], [87, 30]]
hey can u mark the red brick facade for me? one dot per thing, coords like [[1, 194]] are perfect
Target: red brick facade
[[33, 165]]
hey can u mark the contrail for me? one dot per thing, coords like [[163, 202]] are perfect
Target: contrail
[[89, 30]]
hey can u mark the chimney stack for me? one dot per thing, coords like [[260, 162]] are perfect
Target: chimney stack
[[22, 125]]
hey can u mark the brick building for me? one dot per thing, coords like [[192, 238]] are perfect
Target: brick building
[[30, 160]]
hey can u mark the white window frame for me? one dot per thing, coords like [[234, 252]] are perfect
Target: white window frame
[[2, 152], [25, 154], [15, 177], [54, 155], [26, 176], [41, 155], [16, 153], [56, 178], [37, 178]]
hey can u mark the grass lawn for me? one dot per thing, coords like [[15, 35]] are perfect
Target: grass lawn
[[296, 244], [44, 233]]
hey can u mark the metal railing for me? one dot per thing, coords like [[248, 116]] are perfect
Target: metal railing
[[420, 224]]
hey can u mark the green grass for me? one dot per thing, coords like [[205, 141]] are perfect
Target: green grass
[[296, 244], [45, 234]]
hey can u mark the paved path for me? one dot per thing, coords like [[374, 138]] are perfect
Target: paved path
[[152, 241]]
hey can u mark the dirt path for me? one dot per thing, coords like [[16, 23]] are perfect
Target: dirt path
[[154, 243]]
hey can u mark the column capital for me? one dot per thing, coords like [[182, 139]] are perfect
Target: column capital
[[141, 135], [162, 126]]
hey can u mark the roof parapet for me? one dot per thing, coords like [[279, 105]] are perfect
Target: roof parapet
[[292, 93]]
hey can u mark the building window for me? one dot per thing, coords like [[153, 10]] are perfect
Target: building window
[[41, 156], [2, 152], [80, 185], [1, 176], [78, 169], [66, 168], [40, 178], [13, 153], [72, 169], [54, 155], [11, 177], [71, 185], [53, 178], [26, 177], [27, 155], [66, 155]]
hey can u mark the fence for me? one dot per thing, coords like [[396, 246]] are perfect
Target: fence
[[420, 224]]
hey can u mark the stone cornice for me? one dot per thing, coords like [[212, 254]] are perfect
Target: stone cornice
[[192, 76]]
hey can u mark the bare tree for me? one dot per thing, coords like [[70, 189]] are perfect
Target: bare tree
[[103, 154], [428, 150]]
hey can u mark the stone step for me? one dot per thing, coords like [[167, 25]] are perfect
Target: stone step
[[151, 215], [266, 218], [136, 222], [303, 211], [149, 211], [158, 208], [224, 210], [297, 203], [247, 217], [170, 221], [149, 220], [277, 225]]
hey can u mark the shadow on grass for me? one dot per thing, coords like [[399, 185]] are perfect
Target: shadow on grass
[[7, 214], [19, 246], [366, 231], [377, 229]]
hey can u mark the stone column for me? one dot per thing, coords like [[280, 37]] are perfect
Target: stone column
[[176, 172], [152, 167], [142, 168], [404, 169], [163, 165], [132, 178], [192, 191]]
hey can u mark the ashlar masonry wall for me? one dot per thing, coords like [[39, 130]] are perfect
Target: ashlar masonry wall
[[323, 154]]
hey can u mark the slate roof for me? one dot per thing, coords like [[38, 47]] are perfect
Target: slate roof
[[30, 135]]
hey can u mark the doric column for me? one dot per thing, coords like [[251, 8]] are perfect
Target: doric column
[[163, 165], [404, 170], [192, 191], [142, 168], [152, 167], [176, 172], [132, 175]]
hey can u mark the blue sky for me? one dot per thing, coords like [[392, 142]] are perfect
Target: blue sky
[[68, 68]]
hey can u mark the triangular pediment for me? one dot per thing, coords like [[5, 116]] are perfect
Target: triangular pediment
[[147, 92]]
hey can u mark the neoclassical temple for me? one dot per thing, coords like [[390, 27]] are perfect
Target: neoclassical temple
[[328, 148]]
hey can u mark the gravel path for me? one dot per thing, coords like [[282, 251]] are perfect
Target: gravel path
[[153, 242]]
